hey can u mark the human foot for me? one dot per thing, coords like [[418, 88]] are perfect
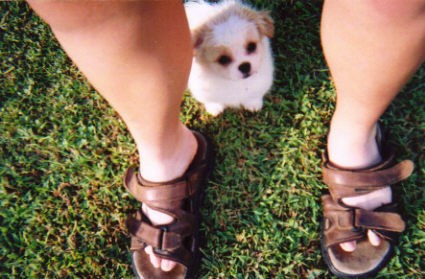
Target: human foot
[[360, 221], [368, 201], [350, 149], [166, 170], [163, 246]]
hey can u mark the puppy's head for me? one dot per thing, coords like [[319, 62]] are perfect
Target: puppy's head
[[232, 45]]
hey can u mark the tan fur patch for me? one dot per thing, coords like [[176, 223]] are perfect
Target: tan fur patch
[[261, 19], [211, 54]]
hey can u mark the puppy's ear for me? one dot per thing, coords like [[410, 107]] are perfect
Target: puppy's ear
[[198, 37], [264, 23]]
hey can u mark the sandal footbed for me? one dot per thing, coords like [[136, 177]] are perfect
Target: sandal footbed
[[143, 268], [366, 261]]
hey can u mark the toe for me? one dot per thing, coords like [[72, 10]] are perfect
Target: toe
[[373, 238], [155, 261], [167, 265], [148, 250], [348, 246]]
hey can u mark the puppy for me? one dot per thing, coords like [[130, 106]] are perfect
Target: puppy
[[232, 64]]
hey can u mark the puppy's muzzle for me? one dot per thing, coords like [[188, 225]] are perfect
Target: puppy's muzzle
[[245, 69]]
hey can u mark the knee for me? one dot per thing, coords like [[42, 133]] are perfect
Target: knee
[[395, 10], [74, 16]]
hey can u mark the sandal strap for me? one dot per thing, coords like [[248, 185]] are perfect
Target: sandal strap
[[166, 240], [348, 183], [343, 223], [169, 195], [180, 255], [375, 220], [156, 194], [164, 197], [164, 237]]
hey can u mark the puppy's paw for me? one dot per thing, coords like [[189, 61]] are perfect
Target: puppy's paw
[[253, 105], [214, 108]]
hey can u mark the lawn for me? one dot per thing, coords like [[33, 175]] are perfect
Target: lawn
[[64, 150]]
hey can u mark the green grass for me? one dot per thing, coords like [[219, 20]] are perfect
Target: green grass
[[64, 150]]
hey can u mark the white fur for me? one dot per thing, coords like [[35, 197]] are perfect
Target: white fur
[[216, 86]]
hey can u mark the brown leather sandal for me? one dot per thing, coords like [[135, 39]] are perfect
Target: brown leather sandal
[[179, 198], [343, 223]]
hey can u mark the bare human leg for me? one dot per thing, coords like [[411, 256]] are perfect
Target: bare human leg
[[137, 54], [372, 49]]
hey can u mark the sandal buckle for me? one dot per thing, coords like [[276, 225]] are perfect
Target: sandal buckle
[[164, 230], [355, 228]]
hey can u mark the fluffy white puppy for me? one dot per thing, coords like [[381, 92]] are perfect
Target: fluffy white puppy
[[232, 64]]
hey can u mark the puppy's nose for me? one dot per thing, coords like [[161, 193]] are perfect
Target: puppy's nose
[[245, 68]]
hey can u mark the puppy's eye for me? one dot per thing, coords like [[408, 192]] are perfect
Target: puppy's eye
[[251, 47], [224, 60]]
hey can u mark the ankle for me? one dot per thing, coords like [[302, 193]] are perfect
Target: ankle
[[170, 162], [353, 147]]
